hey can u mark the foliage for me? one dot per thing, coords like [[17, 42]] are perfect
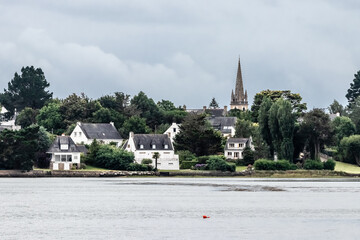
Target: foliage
[[185, 155], [198, 137], [313, 165], [248, 156], [156, 156], [219, 163], [188, 164], [166, 105], [199, 166], [244, 128], [354, 91], [336, 107], [213, 104], [93, 151], [317, 129], [136, 125], [139, 167], [110, 157], [329, 164], [18, 148], [51, 118], [354, 113], [27, 117], [349, 149], [294, 98], [26, 90], [342, 127], [148, 109], [118, 102], [282, 165], [146, 161], [264, 127], [203, 159], [240, 114], [106, 115]]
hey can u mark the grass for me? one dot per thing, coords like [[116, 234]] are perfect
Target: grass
[[240, 168], [346, 167]]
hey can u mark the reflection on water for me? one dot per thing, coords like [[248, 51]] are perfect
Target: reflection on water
[[172, 208]]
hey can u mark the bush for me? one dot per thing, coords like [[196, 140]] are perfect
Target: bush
[[185, 155], [282, 165], [248, 156], [199, 166], [114, 158], [203, 159], [219, 163], [240, 162], [187, 164], [146, 161], [329, 164], [313, 165], [139, 167]]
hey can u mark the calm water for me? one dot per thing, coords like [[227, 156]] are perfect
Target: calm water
[[172, 208]]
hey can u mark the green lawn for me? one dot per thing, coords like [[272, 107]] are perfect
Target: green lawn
[[346, 167], [240, 168]]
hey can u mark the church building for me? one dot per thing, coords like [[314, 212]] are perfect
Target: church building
[[239, 99]]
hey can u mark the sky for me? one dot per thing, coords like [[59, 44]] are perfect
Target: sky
[[184, 51]]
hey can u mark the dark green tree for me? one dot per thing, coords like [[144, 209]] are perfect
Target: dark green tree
[[118, 102], [286, 120], [336, 107], [26, 90], [156, 156], [136, 125], [342, 127], [197, 136], [354, 114], [354, 90], [349, 149], [264, 127], [27, 117], [248, 156], [148, 109], [213, 104], [51, 118], [106, 115], [166, 105], [243, 128]]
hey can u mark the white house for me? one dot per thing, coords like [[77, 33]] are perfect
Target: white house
[[226, 125], [235, 146], [172, 131], [64, 154], [145, 145], [85, 133], [10, 123]]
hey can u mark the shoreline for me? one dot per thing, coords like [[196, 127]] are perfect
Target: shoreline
[[114, 173]]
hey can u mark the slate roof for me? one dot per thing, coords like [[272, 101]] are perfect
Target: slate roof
[[55, 147], [147, 140], [219, 123], [236, 140], [216, 112], [100, 131]]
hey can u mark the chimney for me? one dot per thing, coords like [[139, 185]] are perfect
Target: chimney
[[131, 135], [225, 110], [78, 123], [112, 123]]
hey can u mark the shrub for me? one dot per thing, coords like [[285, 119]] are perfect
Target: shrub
[[187, 164], [199, 166], [139, 167], [203, 159], [282, 165], [114, 158], [248, 156], [313, 165], [329, 164], [219, 163], [240, 162], [146, 161], [185, 155]]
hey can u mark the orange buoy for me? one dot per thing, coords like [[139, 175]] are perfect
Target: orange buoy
[[205, 216]]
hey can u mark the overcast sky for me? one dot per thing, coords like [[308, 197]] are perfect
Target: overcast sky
[[184, 51]]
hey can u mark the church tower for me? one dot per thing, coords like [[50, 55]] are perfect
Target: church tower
[[239, 99]]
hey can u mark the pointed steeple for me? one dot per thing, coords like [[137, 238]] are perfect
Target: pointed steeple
[[239, 88], [246, 99]]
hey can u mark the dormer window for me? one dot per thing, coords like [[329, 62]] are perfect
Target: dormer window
[[166, 146], [153, 146], [231, 145], [141, 146], [64, 147], [174, 129]]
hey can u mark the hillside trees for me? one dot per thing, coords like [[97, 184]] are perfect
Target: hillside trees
[[26, 90], [354, 91]]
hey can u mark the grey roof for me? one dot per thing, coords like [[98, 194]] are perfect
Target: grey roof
[[236, 140], [216, 112], [220, 122], [147, 140], [82, 149], [55, 147], [100, 131]]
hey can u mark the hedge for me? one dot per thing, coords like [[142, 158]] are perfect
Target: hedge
[[187, 164], [283, 165]]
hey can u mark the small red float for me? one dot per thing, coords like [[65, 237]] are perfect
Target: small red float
[[205, 216]]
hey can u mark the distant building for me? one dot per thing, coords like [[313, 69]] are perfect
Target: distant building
[[226, 125], [145, 145], [172, 131], [234, 147], [64, 154], [239, 99], [9, 123], [85, 133], [216, 112]]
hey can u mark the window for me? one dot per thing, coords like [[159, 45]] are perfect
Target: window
[[158, 163], [128, 145], [170, 163], [57, 158], [174, 129], [63, 158], [74, 134], [231, 145], [153, 146], [79, 134], [166, 146], [166, 152], [229, 154], [141, 152], [64, 147], [236, 154], [141, 146], [241, 145]]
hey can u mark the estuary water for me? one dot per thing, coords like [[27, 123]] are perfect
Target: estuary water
[[173, 208]]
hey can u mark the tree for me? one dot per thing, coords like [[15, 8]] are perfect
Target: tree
[[336, 107], [166, 105], [111, 157], [148, 109], [342, 127], [26, 90], [136, 125], [240, 114], [248, 156], [197, 136], [156, 156], [106, 115], [264, 127], [354, 90], [294, 98], [243, 128], [118, 102], [27, 117], [316, 127], [349, 149], [51, 118], [354, 113], [286, 125], [44, 142], [213, 104]]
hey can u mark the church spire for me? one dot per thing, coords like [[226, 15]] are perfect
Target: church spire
[[239, 88]]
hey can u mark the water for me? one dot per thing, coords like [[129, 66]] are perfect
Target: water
[[172, 208]]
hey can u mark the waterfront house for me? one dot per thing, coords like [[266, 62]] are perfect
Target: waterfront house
[[226, 125], [172, 131], [145, 145], [234, 147], [64, 154], [85, 133]]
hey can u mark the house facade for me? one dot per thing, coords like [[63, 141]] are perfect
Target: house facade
[[235, 146], [172, 131], [64, 154], [145, 145], [85, 133], [226, 125]]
